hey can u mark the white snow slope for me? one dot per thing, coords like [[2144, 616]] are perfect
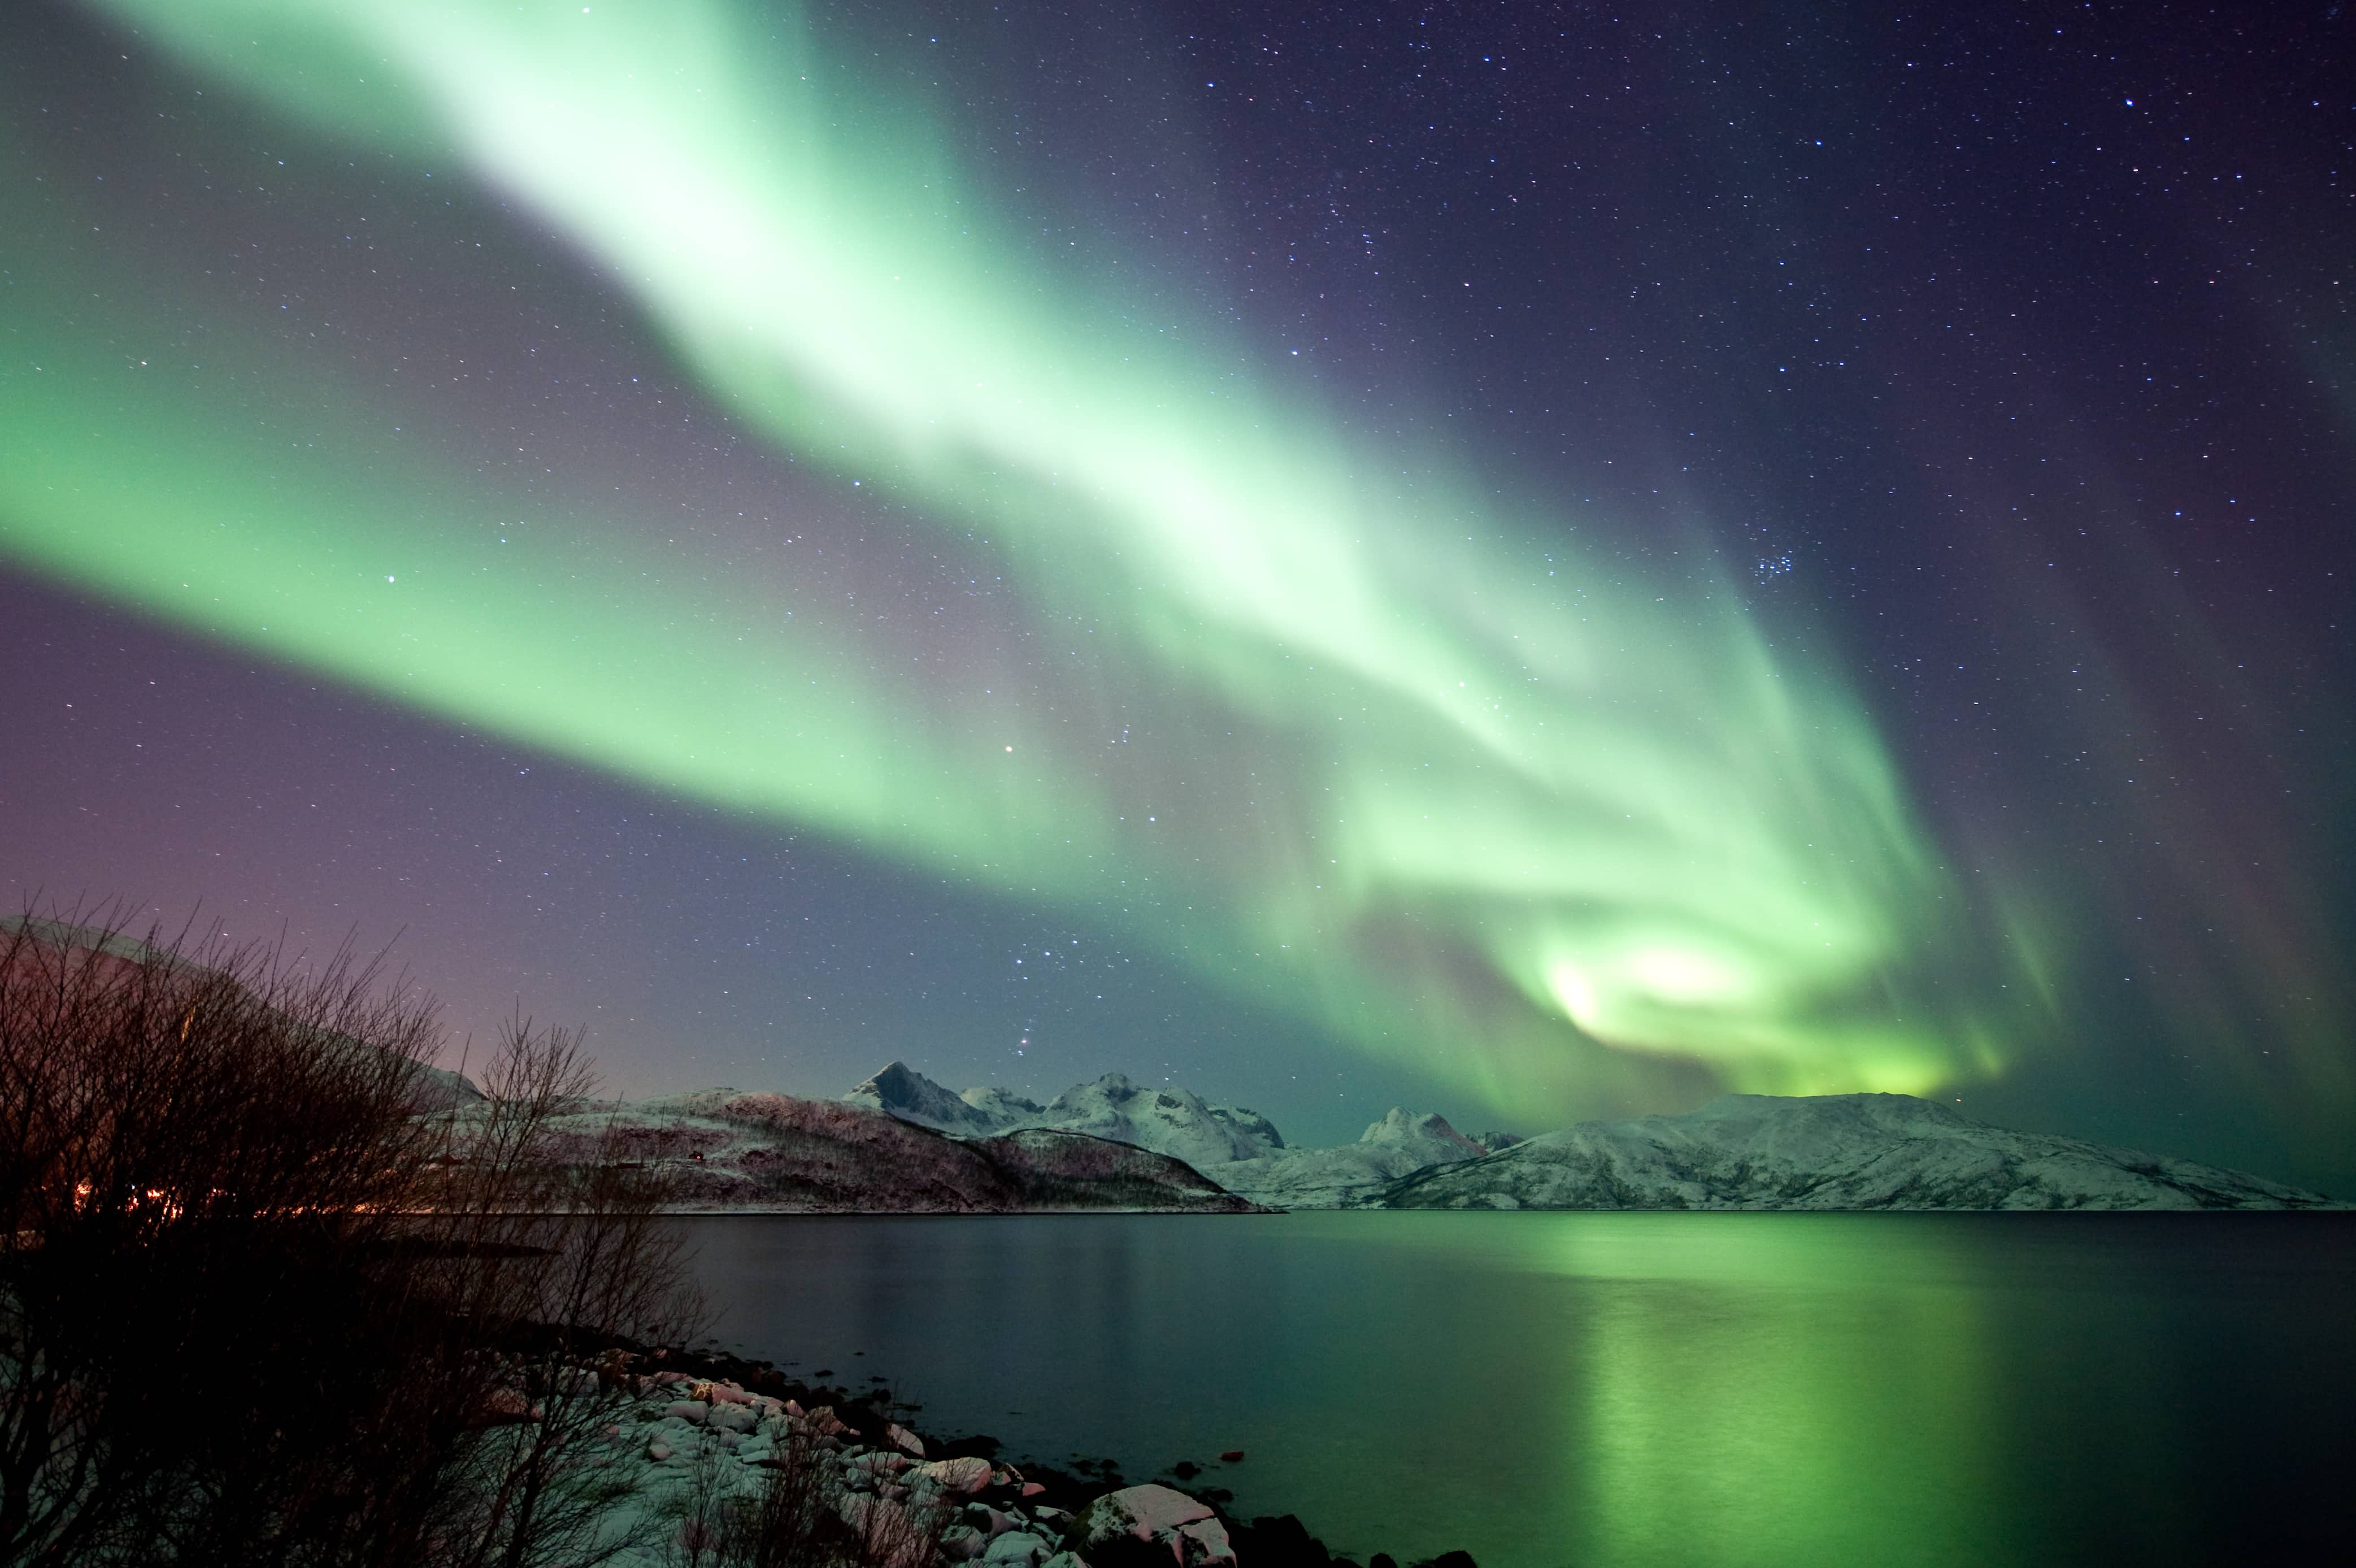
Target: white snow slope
[[1173, 1122], [1237, 1148], [1829, 1151]]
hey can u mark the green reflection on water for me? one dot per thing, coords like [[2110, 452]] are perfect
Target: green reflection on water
[[1763, 1389]]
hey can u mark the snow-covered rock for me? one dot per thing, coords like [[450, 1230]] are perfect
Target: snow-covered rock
[[1018, 1546], [964, 1477], [962, 1544], [1828, 1152], [1158, 1515]]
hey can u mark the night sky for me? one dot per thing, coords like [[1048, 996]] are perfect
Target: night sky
[[1530, 561]]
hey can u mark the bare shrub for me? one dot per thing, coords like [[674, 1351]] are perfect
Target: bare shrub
[[900, 1535], [792, 1521], [255, 1308]]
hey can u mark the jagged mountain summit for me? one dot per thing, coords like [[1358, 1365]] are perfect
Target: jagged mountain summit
[[1827, 1152], [901, 1091], [1173, 1122], [1237, 1148], [1741, 1152]]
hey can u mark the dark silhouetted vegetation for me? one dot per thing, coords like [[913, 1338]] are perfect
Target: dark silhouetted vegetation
[[275, 1292]]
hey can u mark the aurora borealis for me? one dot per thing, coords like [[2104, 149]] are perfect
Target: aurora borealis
[[1485, 557]]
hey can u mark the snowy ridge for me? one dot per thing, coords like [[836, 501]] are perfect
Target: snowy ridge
[[1173, 1122], [1744, 1151], [728, 1152], [1353, 1175], [1235, 1147], [1828, 1152], [900, 1090]]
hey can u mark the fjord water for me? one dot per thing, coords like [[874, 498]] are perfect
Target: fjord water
[[1631, 1390]]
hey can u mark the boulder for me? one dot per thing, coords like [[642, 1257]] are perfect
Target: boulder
[[1281, 1542], [962, 1544], [695, 1412], [962, 1476], [1017, 1546], [1158, 1516], [733, 1417], [905, 1441]]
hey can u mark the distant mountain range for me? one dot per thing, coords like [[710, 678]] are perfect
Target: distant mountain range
[[732, 1152], [1830, 1152], [900, 1143], [1237, 1148], [1742, 1151], [1173, 1122]]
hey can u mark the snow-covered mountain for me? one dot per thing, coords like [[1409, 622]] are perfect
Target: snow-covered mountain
[[901, 1091], [731, 1152], [1745, 1151], [1355, 1174], [1173, 1122], [1237, 1148], [1829, 1151]]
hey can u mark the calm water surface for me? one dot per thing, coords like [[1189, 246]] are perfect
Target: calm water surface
[[1626, 1388]]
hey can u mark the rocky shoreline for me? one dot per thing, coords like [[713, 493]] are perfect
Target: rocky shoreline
[[707, 1450]]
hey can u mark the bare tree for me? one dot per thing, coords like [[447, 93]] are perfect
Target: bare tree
[[552, 1251], [261, 1304]]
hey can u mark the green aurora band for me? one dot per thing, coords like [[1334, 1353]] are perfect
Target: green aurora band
[[1575, 832]]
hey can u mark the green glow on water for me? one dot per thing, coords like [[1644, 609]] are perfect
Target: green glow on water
[[1549, 833], [1801, 1389], [1725, 1413]]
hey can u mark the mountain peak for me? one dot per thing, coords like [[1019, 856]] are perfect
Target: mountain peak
[[901, 1091], [1429, 1134], [1166, 1119]]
